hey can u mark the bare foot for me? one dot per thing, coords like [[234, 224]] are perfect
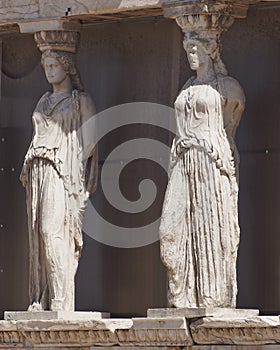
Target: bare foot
[[36, 306]]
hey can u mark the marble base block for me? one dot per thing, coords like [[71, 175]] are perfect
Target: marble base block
[[146, 332], [54, 315], [201, 312]]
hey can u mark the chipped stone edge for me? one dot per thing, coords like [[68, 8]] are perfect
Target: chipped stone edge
[[258, 330], [109, 332], [16, 15]]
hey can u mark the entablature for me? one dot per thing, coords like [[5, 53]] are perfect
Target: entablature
[[15, 14]]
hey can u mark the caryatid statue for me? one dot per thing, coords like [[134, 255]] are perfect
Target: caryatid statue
[[59, 175], [199, 227]]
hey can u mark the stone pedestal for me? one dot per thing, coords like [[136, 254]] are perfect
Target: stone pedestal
[[162, 333], [201, 312], [54, 315], [157, 332]]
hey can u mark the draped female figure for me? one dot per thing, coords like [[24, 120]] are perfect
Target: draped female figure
[[199, 226], [59, 173]]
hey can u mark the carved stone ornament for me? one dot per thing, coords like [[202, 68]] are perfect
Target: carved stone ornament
[[58, 40], [206, 25], [205, 28], [164, 333], [199, 228]]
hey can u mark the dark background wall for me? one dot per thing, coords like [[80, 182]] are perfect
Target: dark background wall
[[252, 51], [144, 61]]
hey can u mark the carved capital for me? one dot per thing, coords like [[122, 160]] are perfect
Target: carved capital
[[59, 35], [210, 24], [59, 40], [205, 18]]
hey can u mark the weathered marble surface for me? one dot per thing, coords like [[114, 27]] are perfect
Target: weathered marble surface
[[201, 312], [199, 230], [123, 332], [247, 331], [203, 347], [236, 347], [17, 11], [60, 333], [259, 332], [59, 173], [152, 332], [39, 9], [54, 315]]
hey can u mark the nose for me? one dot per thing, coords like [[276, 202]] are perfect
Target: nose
[[48, 70]]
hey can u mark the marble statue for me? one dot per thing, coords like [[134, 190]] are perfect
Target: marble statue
[[199, 227], [58, 178]]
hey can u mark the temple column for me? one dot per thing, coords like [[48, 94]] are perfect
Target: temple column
[[56, 206], [58, 35], [199, 230], [205, 16]]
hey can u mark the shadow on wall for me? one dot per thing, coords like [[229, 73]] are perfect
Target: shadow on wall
[[19, 60], [254, 61]]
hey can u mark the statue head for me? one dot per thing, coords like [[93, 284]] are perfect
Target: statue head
[[197, 56], [66, 62], [202, 47]]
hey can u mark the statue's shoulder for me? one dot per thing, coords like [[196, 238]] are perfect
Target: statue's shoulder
[[231, 88], [87, 106], [188, 83], [84, 97], [44, 96], [42, 99]]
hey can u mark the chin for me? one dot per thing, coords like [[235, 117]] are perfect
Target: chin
[[51, 80], [194, 67]]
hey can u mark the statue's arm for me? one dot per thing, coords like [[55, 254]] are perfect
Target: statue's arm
[[88, 124], [234, 105], [89, 141], [233, 110]]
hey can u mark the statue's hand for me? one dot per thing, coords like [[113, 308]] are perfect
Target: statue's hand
[[78, 250]]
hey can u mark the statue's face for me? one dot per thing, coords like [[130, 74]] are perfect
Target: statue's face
[[54, 71], [196, 55]]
